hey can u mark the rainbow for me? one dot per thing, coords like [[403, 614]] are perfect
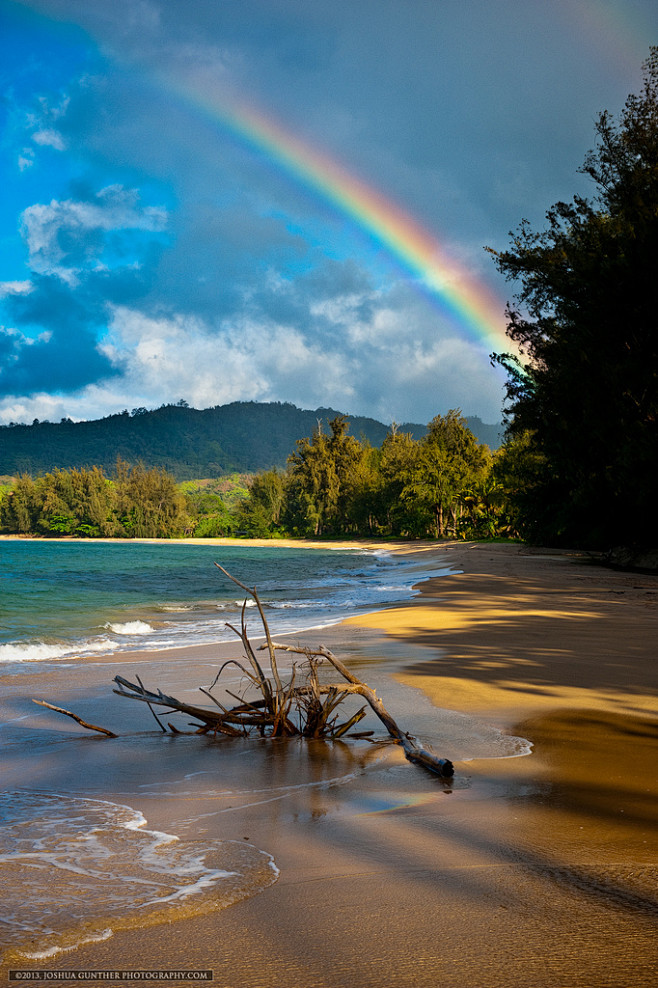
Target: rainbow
[[474, 308]]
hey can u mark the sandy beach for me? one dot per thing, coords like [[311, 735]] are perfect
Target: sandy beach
[[539, 870]]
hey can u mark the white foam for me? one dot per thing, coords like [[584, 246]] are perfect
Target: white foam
[[106, 866], [31, 652], [45, 651], [42, 955], [130, 628]]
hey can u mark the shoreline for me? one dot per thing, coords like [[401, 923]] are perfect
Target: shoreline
[[401, 545], [151, 622], [531, 870]]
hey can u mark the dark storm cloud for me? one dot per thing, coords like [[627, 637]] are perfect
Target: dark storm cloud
[[64, 356]]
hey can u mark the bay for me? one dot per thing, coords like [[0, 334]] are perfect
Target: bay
[[64, 598]]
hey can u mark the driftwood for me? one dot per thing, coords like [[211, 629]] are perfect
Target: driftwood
[[309, 709], [442, 766]]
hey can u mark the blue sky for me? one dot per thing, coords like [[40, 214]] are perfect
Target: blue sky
[[149, 252]]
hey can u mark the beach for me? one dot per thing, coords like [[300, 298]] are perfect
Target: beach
[[360, 869]]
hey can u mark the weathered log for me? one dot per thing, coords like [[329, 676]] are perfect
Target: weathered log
[[440, 766], [138, 692]]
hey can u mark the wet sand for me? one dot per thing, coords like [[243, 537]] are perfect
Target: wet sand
[[529, 871]]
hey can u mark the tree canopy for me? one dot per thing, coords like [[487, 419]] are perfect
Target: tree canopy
[[333, 485], [582, 397]]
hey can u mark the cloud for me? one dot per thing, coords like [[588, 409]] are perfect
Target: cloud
[[25, 159], [249, 283], [64, 238], [239, 360], [351, 348], [85, 255], [39, 124], [49, 138], [15, 288]]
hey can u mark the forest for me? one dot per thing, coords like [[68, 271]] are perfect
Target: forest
[[444, 484]]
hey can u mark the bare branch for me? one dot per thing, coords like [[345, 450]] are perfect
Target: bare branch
[[83, 723], [252, 592], [157, 719]]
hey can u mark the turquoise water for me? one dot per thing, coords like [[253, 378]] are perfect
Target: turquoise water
[[57, 598]]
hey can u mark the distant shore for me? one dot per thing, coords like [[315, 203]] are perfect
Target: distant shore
[[398, 545], [536, 870]]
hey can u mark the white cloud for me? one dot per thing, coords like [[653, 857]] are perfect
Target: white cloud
[[398, 367], [25, 159], [245, 360], [15, 288], [49, 138], [62, 236], [54, 111]]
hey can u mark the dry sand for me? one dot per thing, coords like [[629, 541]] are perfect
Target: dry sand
[[529, 871]]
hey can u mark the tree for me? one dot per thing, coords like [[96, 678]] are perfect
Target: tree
[[20, 507], [400, 454], [585, 386], [208, 515], [149, 503], [324, 473], [450, 461], [260, 513], [517, 470]]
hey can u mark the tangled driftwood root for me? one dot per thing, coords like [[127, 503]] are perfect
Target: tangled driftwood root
[[309, 708]]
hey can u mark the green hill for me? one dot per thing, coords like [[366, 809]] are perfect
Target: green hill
[[242, 437]]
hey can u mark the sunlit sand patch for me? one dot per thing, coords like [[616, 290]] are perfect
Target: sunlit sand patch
[[467, 613]]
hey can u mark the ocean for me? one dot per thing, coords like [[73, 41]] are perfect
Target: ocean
[[63, 599]]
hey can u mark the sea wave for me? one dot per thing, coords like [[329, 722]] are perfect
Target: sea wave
[[39, 651], [300, 593], [129, 627]]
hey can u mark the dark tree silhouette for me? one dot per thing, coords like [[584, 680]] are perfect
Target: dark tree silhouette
[[585, 388]]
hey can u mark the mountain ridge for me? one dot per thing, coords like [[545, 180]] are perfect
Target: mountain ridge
[[239, 437]]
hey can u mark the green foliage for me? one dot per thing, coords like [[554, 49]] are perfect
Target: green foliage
[[518, 469], [325, 474], [450, 461], [583, 396], [207, 513], [149, 504], [337, 485], [187, 442], [398, 464], [259, 513], [334, 485], [223, 507], [140, 503], [20, 507]]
